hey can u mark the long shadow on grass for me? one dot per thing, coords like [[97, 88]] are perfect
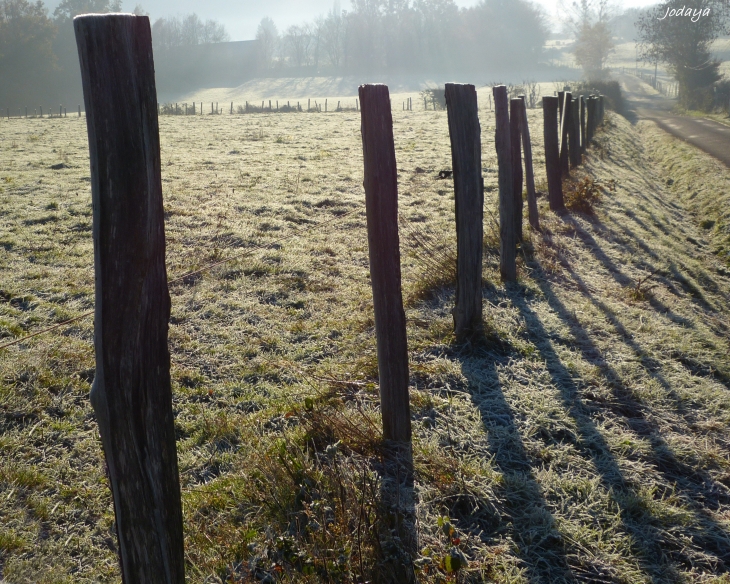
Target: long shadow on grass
[[540, 545], [622, 279], [660, 549]]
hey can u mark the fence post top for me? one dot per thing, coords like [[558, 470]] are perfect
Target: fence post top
[[108, 16]]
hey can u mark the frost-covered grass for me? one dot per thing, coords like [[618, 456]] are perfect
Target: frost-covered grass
[[585, 439]]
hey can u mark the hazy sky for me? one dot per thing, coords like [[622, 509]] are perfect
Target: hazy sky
[[242, 17]]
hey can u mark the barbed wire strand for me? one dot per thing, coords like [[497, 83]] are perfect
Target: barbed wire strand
[[194, 272]]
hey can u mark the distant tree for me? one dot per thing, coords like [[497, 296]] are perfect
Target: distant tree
[[172, 32], [67, 9], [333, 35], [301, 45], [683, 43], [589, 21], [267, 36], [623, 24], [26, 49], [506, 34]]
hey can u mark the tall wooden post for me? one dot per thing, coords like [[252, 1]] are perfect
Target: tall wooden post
[[507, 238], [532, 211], [515, 137], [561, 99], [552, 153], [601, 109], [574, 134], [564, 132], [131, 393], [583, 141], [381, 206], [466, 158], [590, 118]]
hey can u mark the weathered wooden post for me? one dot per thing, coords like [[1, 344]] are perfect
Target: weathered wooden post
[[131, 394], [564, 132], [590, 118], [515, 137], [552, 153], [507, 238], [583, 142], [574, 134], [381, 205], [466, 160], [601, 109], [561, 99], [532, 211]]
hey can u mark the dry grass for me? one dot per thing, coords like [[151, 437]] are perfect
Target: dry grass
[[589, 444]]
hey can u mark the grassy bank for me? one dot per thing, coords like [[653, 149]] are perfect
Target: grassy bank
[[586, 440]]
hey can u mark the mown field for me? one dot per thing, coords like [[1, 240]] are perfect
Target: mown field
[[586, 438]]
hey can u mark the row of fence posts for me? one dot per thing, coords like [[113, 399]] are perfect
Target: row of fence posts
[[668, 89], [38, 113], [131, 393], [273, 106]]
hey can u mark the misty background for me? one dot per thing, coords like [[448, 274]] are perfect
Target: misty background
[[216, 44]]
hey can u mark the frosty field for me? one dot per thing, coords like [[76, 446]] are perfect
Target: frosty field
[[585, 439]]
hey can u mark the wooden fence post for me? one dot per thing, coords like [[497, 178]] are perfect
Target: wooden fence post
[[583, 141], [131, 394], [564, 131], [561, 99], [466, 160], [601, 109], [515, 137], [574, 134], [381, 205], [591, 118], [532, 211], [552, 153], [507, 239]]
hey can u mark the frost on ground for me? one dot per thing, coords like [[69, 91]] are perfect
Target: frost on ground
[[584, 439]]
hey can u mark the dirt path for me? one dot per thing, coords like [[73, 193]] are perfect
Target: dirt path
[[707, 135]]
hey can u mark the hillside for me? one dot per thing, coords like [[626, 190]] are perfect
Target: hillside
[[586, 439]]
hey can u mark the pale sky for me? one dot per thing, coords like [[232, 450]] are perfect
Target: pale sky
[[241, 18]]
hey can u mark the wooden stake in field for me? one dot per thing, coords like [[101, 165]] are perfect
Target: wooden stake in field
[[574, 134], [532, 211], [507, 238], [564, 131], [583, 125], [466, 160], [381, 203], [131, 394], [515, 136], [552, 153]]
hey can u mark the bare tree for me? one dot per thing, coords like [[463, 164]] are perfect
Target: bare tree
[[267, 36], [299, 44], [589, 20], [332, 35], [188, 30]]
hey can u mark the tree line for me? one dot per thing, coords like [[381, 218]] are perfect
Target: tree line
[[38, 55], [410, 36]]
